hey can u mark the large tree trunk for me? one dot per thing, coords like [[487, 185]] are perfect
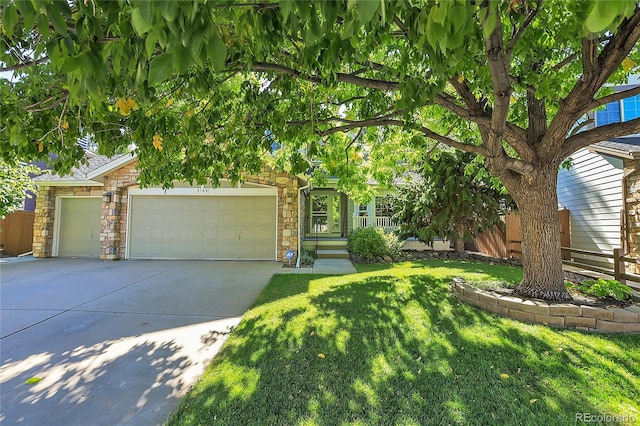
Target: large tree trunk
[[458, 241], [537, 200]]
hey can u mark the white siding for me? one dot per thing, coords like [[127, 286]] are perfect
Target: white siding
[[591, 190]]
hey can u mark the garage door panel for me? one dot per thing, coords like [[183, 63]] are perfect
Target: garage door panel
[[202, 227], [79, 227]]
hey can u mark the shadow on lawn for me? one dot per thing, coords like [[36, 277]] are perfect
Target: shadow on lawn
[[380, 349]]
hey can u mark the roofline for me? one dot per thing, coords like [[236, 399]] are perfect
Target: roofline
[[112, 165], [68, 183], [629, 155]]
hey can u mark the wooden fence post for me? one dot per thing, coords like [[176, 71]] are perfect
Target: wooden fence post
[[618, 266]]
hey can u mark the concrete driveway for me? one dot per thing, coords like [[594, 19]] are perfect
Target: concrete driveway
[[113, 342]]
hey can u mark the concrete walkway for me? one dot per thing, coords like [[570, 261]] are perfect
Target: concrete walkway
[[324, 266]]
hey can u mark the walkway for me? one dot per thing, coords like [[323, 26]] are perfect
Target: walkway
[[324, 266]]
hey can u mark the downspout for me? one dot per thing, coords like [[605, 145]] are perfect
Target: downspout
[[300, 224]]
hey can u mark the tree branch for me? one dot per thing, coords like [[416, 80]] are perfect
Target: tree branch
[[566, 61], [613, 97], [512, 44], [24, 65], [341, 77], [599, 134], [514, 135], [590, 65], [578, 100], [498, 68]]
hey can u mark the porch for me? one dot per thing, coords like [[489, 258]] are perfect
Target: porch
[[383, 222], [331, 214]]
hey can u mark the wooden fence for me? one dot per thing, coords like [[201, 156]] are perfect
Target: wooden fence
[[619, 264], [506, 241], [16, 233]]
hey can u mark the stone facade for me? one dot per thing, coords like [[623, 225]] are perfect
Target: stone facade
[[632, 209], [114, 213]]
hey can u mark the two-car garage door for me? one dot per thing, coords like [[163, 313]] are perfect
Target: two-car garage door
[[202, 227]]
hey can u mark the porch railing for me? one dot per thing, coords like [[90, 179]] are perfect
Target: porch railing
[[383, 222]]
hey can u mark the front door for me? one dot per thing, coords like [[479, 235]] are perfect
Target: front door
[[325, 213]]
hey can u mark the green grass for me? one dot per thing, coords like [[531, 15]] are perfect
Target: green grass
[[391, 345]]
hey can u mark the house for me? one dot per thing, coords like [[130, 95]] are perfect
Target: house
[[100, 211], [602, 188]]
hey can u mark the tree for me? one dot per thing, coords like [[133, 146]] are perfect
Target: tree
[[195, 85], [452, 197], [15, 185]]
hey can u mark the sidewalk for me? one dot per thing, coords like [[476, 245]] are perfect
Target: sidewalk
[[324, 266]]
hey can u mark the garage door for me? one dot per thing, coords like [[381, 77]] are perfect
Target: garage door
[[202, 227], [79, 227]]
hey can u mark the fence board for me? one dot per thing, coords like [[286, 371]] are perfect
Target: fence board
[[513, 237], [507, 244], [490, 243], [16, 233]]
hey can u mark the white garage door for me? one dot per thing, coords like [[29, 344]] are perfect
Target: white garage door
[[202, 227], [79, 227]]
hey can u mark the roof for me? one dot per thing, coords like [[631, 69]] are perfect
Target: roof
[[80, 175], [627, 147]]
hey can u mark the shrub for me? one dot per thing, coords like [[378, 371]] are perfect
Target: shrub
[[307, 257], [369, 243], [604, 288], [393, 244]]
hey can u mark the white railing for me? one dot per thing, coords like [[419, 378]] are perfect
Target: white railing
[[383, 222]]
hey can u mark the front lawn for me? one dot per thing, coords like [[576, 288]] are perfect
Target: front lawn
[[391, 345]]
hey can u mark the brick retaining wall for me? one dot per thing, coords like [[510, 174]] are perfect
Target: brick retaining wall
[[565, 315]]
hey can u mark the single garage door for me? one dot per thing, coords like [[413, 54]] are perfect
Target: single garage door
[[79, 227], [202, 227]]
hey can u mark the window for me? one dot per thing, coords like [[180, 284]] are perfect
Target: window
[[363, 210], [610, 114], [631, 107], [615, 112], [383, 207]]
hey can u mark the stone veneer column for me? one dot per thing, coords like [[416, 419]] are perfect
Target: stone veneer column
[[632, 208], [110, 232], [43, 222]]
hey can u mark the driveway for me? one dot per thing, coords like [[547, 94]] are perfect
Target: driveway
[[114, 342]]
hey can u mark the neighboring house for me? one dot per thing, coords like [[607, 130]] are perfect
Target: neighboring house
[[602, 188]]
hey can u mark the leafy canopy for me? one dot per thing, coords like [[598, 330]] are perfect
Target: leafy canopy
[[15, 185], [195, 85]]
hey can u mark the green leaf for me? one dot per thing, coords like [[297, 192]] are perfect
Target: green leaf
[[181, 58], [9, 19], [601, 16], [168, 9], [150, 43], [217, 52], [365, 9], [285, 8], [160, 69], [140, 74], [27, 12], [56, 19], [140, 21], [32, 380], [458, 17], [439, 13]]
